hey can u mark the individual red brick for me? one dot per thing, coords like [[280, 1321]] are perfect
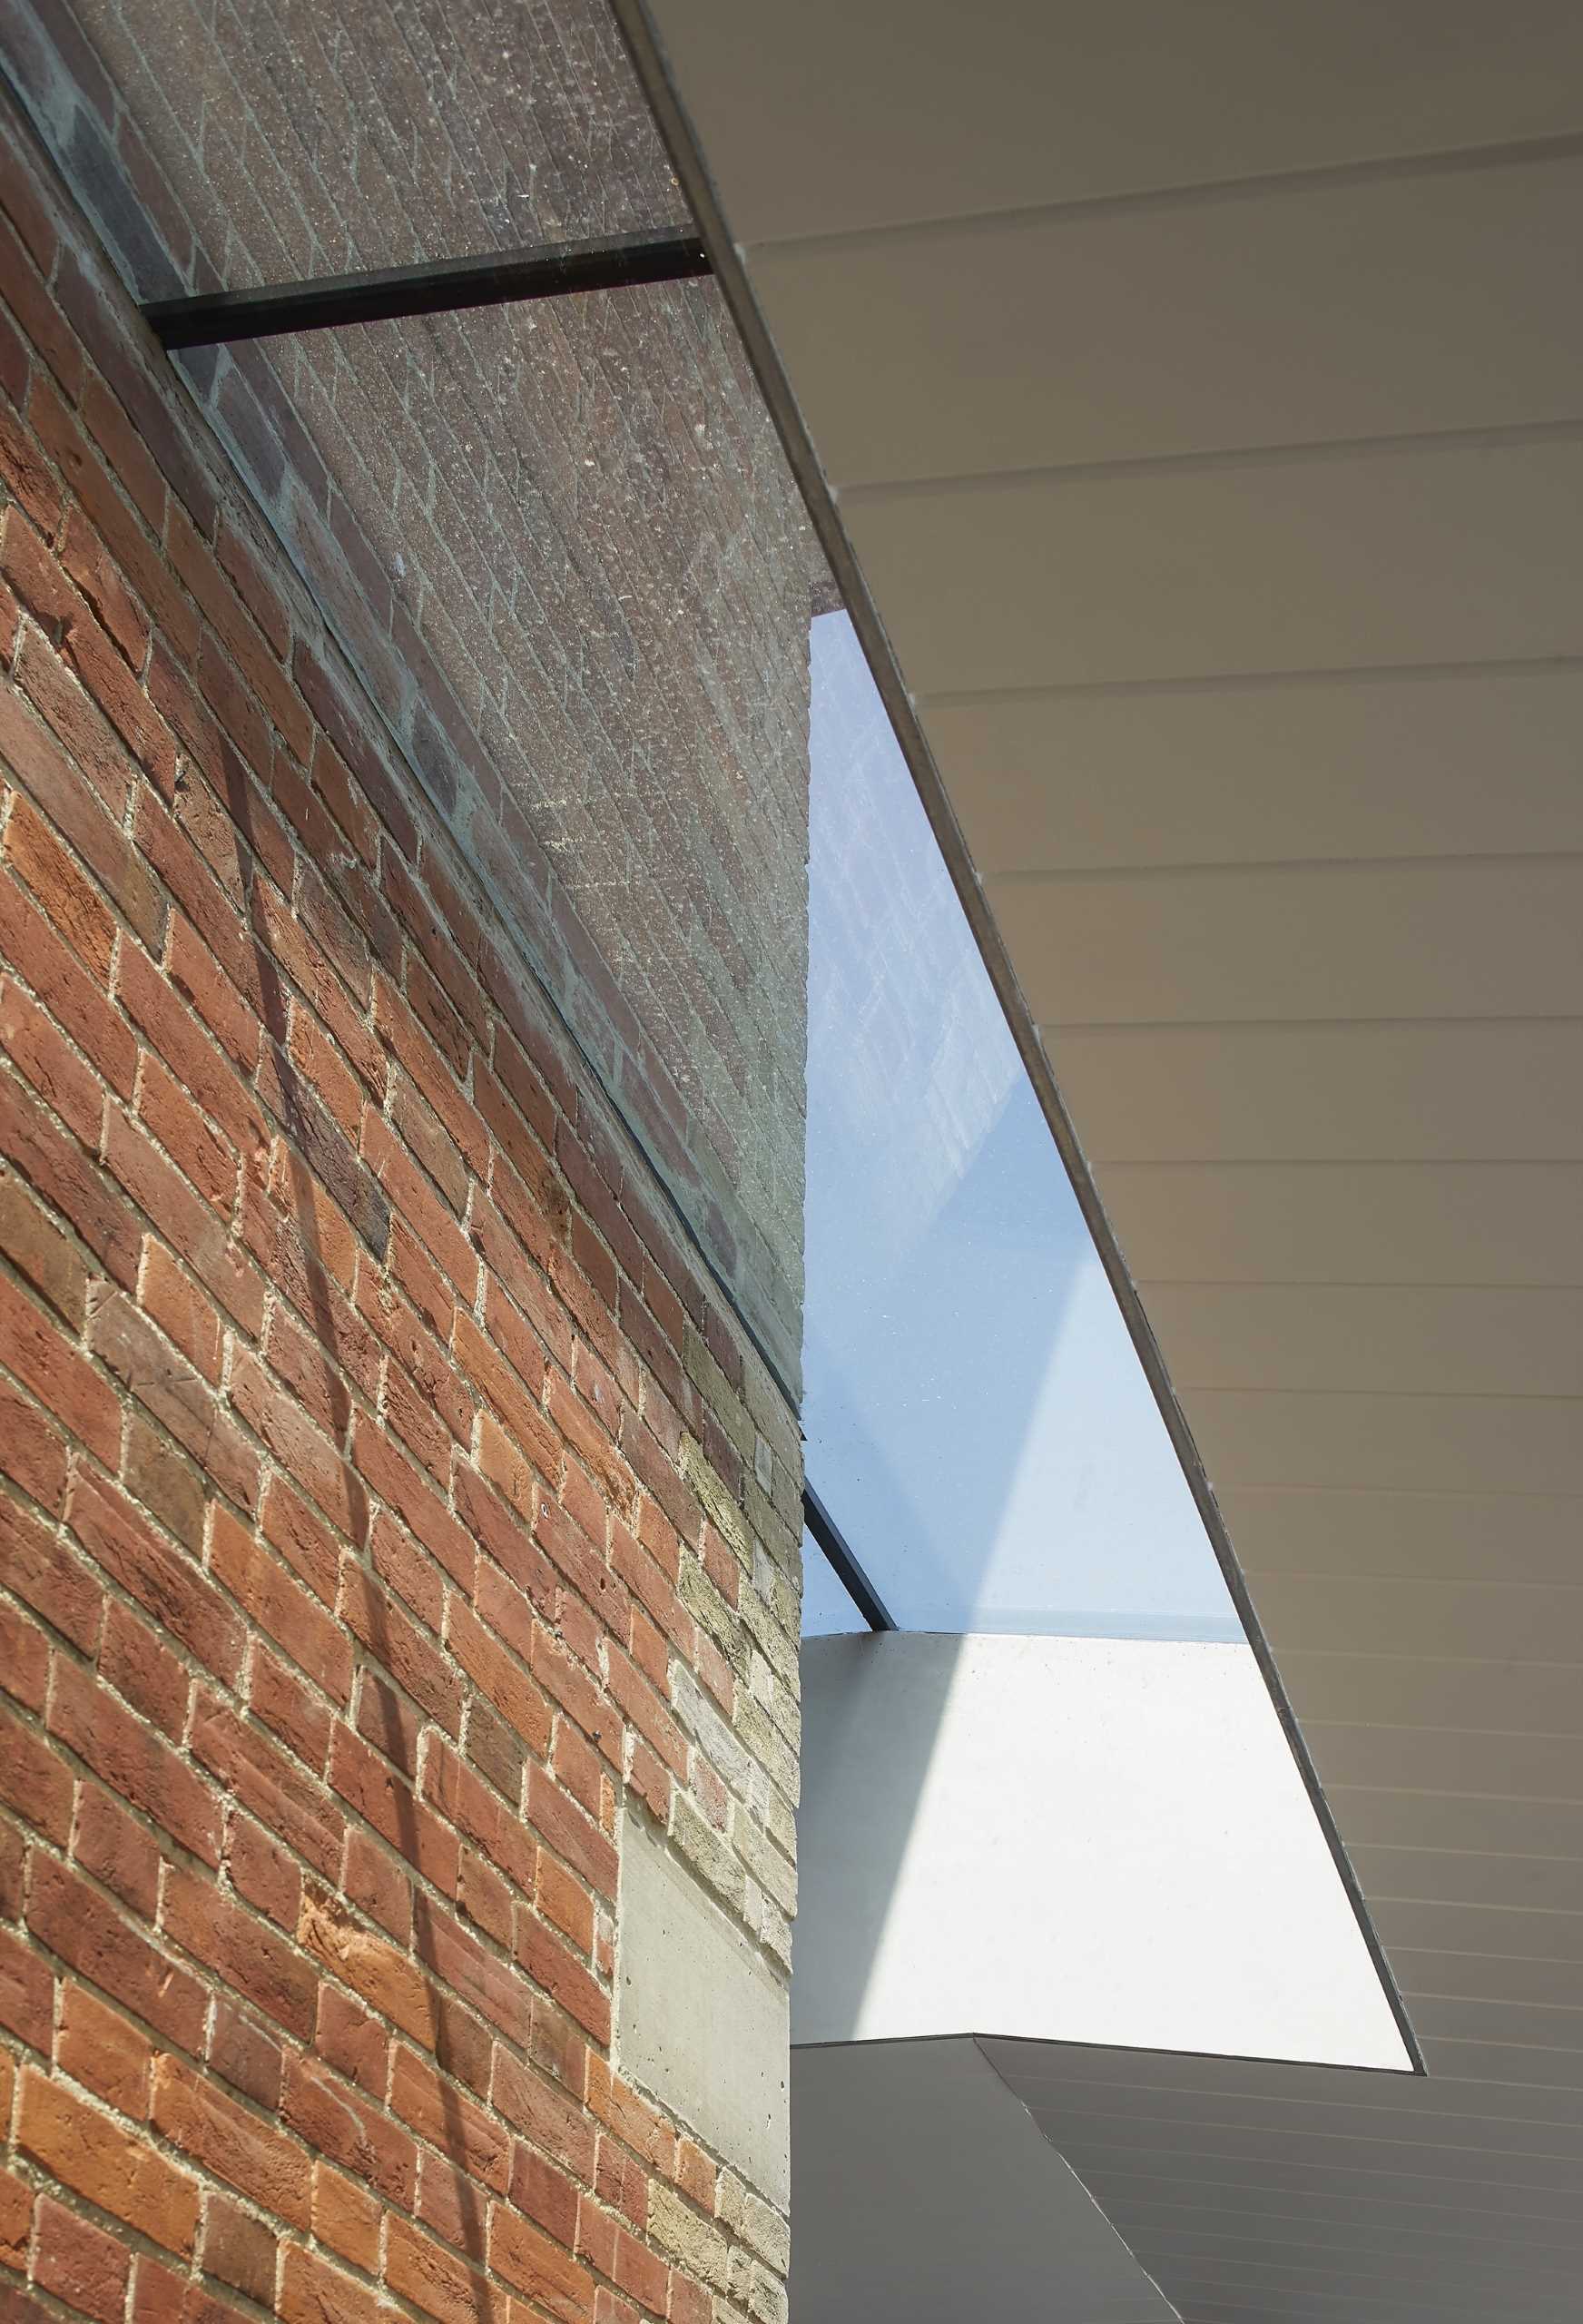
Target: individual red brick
[[246, 2055], [27, 474], [24, 1659], [346, 2216], [71, 903], [111, 1843], [545, 2194], [205, 1159], [215, 997], [578, 1769], [34, 1781], [182, 1310], [264, 1871], [33, 1453], [105, 2053], [313, 2292], [40, 1356], [80, 2263], [84, 556], [116, 2168], [566, 1903], [230, 2141], [303, 1540], [422, 2270], [16, 2207], [350, 2040], [239, 2249], [26, 1993], [54, 1165], [145, 1673], [289, 1708], [538, 2268]]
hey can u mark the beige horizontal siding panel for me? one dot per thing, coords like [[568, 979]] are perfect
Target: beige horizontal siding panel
[[1505, 1542], [1206, 326], [1489, 1092], [1359, 560], [1326, 1613], [1325, 769], [830, 119], [1365, 940], [1349, 1223], [1386, 1339]]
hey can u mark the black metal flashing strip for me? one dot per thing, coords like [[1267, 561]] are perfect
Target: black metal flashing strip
[[500, 277], [847, 1571], [654, 71]]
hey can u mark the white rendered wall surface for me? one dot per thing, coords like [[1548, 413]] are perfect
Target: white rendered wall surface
[[1068, 1839]]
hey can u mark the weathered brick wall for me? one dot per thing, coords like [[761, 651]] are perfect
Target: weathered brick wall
[[560, 544], [390, 1504]]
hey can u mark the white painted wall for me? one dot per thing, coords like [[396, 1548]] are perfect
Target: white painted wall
[[1068, 1839]]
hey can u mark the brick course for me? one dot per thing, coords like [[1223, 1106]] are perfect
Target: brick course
[[383, 1500]]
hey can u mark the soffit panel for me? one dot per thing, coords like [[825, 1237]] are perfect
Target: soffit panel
[[1321, 1613], [1361, 559], [1439, 1339], [905, 109], [1328, 768], [1348, 1223], [1433, 1823], [1109, 328], [1402, 1444], [1427, 940], [1491, 1092], [1508, 1540]]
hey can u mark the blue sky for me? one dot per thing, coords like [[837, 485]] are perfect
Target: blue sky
[[977, 1422]]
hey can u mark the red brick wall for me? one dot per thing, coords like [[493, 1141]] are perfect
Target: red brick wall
[[361, 1409]]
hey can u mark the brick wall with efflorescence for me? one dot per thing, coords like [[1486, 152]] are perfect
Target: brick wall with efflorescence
[[559, 543], [392, 1502]]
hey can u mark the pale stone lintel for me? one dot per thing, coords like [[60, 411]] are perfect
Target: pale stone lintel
[[702, 2018]]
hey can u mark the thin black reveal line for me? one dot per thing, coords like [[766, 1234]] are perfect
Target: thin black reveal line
[[847, 1571], [385, 294]]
